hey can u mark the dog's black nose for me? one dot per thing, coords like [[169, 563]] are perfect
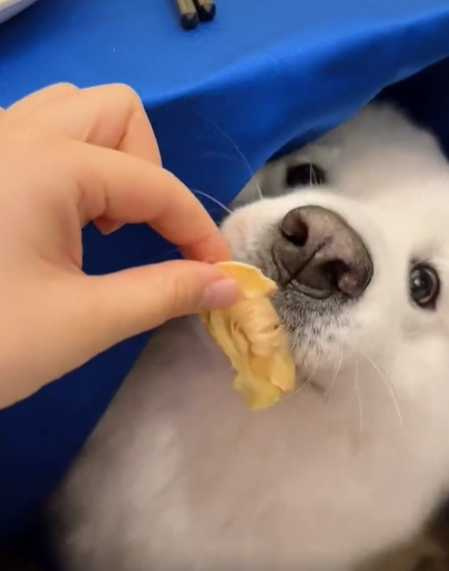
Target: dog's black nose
[[322, 254]]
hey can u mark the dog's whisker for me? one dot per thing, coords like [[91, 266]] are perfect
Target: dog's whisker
[[334, 376], [303, 385], [358, 394], [313, 177], [388, 384], [308, 381], [237, 149], [258, 188], [212, 199]]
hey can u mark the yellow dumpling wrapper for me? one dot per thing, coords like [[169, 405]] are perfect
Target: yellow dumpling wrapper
[[251, 336]]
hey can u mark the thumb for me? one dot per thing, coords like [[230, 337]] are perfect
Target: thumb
[[126, 303], [91, 314]]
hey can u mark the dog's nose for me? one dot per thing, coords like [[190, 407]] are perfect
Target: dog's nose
[[322, 254]]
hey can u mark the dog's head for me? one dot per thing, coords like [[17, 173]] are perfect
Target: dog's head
[[363, 281]]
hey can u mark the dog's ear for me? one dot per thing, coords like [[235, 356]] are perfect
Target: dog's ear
[[304, 174]]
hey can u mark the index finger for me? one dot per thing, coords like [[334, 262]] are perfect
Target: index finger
[[118, 186], [109, 115]]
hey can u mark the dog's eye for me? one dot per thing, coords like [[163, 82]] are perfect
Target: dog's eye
[[424, 286], [304, 174]]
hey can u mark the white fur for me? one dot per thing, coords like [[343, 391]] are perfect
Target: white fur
[[180, 476]]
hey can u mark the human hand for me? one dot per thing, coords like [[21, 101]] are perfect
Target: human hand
[[70, 156]]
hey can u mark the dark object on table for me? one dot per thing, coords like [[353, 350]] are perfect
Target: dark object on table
[[206, 9], [188, 14]]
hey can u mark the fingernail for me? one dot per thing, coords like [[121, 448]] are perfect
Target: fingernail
[[220, 294]]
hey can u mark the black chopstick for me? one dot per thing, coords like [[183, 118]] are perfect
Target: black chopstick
[[193, 11], [206, 9], [188, 14]]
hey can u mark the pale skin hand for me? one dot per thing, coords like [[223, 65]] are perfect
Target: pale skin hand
[[68, 157]]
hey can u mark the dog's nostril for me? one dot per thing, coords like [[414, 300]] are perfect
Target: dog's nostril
[[343, 278], [294, 229], [335, 272], [321, 254]]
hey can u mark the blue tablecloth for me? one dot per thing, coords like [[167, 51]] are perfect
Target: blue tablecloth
[[223, 99]]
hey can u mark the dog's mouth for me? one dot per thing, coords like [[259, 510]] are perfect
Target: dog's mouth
[[321, 266], [286, 278], [311, 321]]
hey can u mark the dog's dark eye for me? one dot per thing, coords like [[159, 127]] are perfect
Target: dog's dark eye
[[305, 174], [424, 286]]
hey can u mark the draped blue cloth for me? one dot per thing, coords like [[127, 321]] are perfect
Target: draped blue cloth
[[265, 75]]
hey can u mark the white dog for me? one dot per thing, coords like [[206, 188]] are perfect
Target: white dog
[[179, 475]]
